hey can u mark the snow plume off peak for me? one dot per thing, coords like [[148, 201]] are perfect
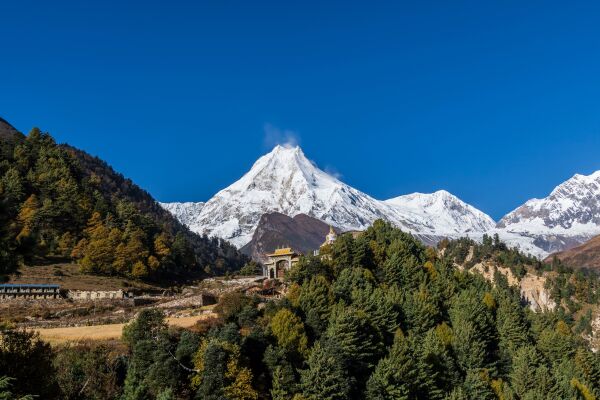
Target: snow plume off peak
[[275, 136]]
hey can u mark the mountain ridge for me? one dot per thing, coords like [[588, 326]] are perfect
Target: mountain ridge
[[285, 181]]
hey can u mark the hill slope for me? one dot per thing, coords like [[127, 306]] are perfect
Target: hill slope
[[303, 233], [60, 203], [586, 255]]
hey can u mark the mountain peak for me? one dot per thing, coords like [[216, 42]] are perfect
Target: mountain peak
[[286, 147], [568, 216], [286, 181], [441, 213]]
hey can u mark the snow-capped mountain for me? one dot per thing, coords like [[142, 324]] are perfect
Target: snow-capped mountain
[[440, 213], [569, 216], [285, 181], [187, 212]]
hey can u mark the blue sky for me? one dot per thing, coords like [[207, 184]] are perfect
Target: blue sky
[[494, 101]]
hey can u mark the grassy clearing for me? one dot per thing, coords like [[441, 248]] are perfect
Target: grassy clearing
[[105, 332]]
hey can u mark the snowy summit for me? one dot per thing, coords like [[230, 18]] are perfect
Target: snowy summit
[[286, 181]]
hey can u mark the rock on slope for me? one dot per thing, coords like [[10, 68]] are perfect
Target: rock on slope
[[285, 181], [302, 233]]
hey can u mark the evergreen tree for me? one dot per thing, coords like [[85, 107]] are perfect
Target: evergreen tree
[[326, 377], [477, 385], [395, 375], [315, 301], [359, 342], [351, 279]]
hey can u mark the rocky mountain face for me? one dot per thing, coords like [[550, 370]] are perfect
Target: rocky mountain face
[[287, 182], [569, 216], [302, 233]]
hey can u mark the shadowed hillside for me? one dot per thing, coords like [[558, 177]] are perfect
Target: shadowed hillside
[[303, 233], [586, 255]]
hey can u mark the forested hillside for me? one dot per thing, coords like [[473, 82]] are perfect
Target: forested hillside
[[378, 317], [575, 287], [59, 203]]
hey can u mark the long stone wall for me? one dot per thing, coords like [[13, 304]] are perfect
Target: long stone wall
[[97, 294]]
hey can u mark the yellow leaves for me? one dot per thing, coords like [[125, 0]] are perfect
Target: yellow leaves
[[65, 244], [489, 301], [153, 263], [26, 217], [78, 250], [583, 389], [444, 333], [139, 270], [241, 378], [162, 245], [562, 328], [241, 388], [238, 379], [199, 364], [498, 387], [293, 294], [430, 270], [95, 226], [289, 331]]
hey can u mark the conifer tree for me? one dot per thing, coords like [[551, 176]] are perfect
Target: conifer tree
[[327, 376], [315, 301], [421, 311], [359, 342], [395, 375], [477, 385], [380, 310], [351, 279]]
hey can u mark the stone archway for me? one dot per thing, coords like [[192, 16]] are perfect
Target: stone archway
[[281, 267]]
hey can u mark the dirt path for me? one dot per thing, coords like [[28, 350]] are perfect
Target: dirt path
[[105, 332]]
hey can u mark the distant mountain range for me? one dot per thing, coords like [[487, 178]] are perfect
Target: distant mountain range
[[285, 181]]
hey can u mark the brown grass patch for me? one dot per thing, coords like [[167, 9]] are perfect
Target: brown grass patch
[[106, 332]]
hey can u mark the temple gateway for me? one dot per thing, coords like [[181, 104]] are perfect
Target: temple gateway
[[279, 262], [282, 260]]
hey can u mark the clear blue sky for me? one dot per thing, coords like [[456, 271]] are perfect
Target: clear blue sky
[[496, 102]]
